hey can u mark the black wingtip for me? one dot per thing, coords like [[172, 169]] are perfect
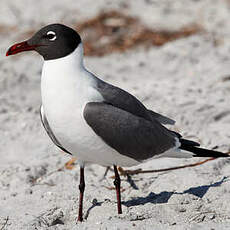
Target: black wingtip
[[201, 152]]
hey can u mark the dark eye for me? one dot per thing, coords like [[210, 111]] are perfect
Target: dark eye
[[51, 36]]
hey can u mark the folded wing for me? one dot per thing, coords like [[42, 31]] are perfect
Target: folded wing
[[124, 100], [127, 133]]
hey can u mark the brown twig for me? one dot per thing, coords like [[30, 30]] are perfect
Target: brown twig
[[68, 165], [39, 179], [138, 171], [124, 172]]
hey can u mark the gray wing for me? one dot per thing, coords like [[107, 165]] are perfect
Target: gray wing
[[123, 100], [128, 134], [161, 118], [49, 130]]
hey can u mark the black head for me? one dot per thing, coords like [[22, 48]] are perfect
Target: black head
[[52, 42]]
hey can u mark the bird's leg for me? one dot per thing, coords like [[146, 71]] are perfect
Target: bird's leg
[[82, 189], [117, 183]]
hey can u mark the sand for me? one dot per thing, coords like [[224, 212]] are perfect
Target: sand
[[186, 79]]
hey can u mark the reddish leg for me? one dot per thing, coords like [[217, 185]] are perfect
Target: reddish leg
[[117, 183], [82, 189]]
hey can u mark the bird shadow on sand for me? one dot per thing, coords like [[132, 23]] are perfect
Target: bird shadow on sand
[[94, 204], [200, 191], [153, 198], [164, 196]]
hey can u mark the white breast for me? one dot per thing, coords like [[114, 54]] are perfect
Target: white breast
[[66, 88]]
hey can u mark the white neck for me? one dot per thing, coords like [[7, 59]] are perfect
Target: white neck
[[67, 71], [67, 81], [73, 59]]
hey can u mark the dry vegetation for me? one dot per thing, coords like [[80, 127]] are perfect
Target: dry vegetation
[[112, 31], [115, 32]]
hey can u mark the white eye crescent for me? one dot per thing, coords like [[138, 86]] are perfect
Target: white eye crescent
[[51, 35]]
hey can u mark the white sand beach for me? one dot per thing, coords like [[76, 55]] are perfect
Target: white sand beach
[[186, 79]]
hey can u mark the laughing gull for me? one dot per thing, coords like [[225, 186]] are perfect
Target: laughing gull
[[96, 121]]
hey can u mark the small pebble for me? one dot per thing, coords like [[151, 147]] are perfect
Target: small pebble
[[28, 191]]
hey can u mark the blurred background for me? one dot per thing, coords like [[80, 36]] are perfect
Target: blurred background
[[158, 50], [174, 55]]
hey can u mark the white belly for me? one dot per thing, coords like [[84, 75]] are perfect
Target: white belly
[[74, 134], [63, 100]]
